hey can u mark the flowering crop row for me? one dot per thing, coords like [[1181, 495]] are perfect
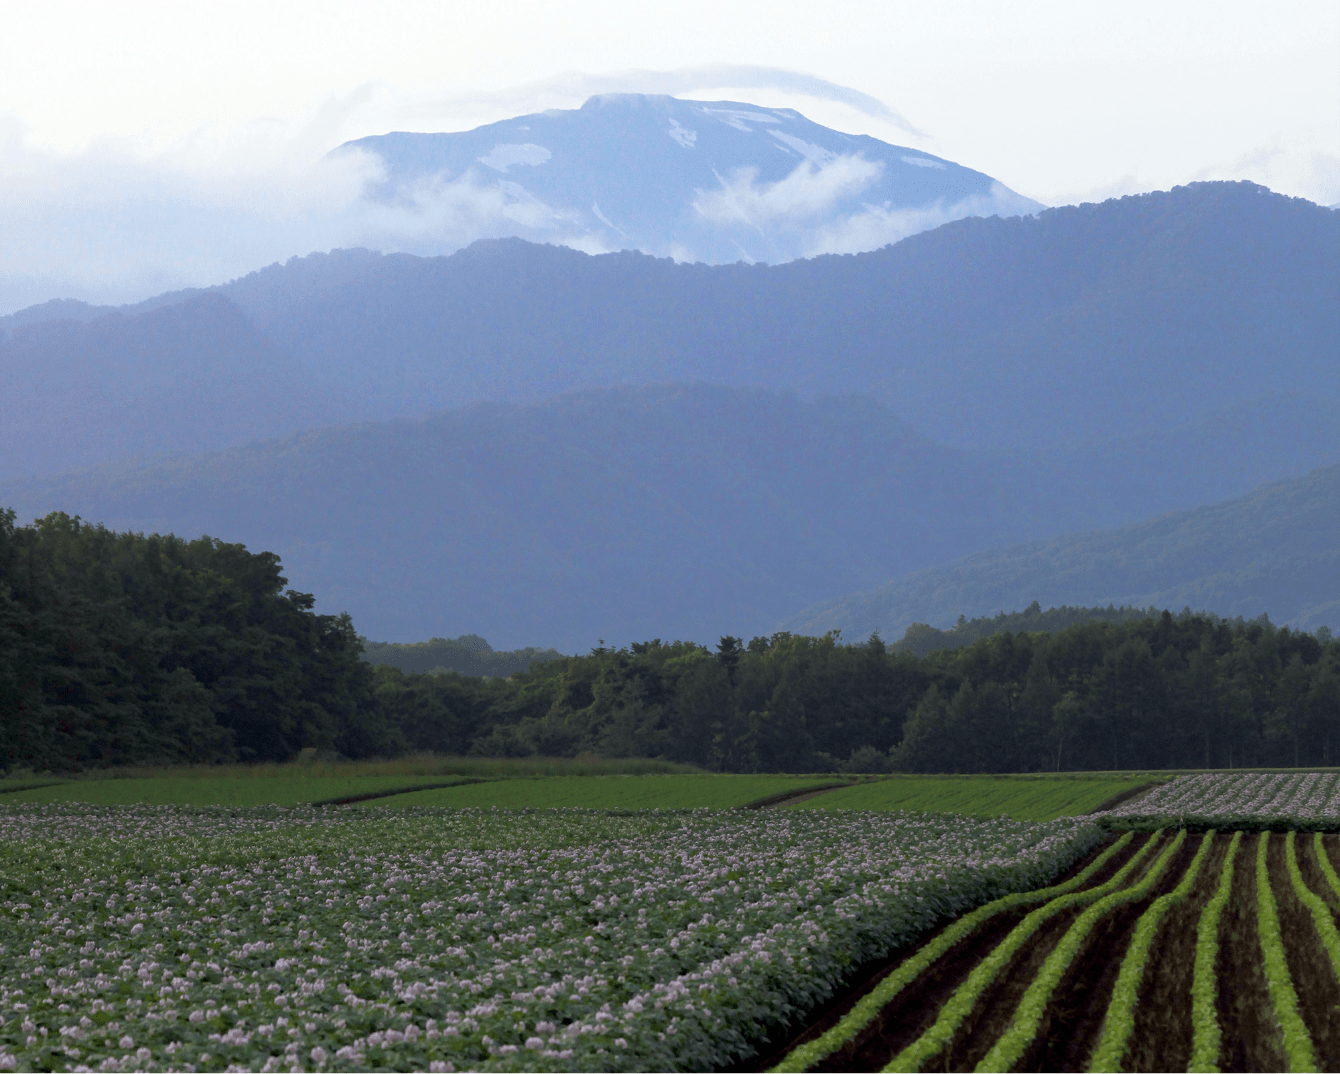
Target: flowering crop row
[[170, 938], [1226, 799]]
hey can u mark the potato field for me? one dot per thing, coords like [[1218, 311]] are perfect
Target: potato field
[[1192, 927]]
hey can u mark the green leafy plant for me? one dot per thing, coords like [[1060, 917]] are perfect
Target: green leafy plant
[[1297, 1040], [1321, 913], [1327, 869], [1205, 1032]]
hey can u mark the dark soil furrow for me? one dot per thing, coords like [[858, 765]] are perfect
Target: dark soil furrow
[[995, 1007], [915, 1008], [1309, 966], [1251, 1036], [1161, 1039], [1312, 874], [1074, 1020]]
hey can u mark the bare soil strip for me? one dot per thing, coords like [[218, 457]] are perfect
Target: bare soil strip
[[1251, 1037], [350, 800], [915, 1008], [1309, 966], [787, 797], [1074, 1020], [1161, 1039], [996, 1006]]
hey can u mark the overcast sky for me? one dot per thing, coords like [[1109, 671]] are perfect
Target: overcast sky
[[144, 146]]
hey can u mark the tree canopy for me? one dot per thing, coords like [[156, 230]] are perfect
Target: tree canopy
[[119, 648]]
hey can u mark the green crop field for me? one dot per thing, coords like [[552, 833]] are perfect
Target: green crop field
[[1021, 799], [293, 788], [609, 792]]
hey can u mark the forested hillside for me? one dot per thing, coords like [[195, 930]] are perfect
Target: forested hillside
[[116, 648], [119, 648], [1275, 551]]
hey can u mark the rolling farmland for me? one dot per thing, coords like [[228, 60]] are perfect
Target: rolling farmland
[[345, 939], [1170, 950], [615, 927]]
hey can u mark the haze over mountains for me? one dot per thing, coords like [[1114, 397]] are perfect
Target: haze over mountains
[[712, 181], [628, 447], [1275, 551], [1081, 325]]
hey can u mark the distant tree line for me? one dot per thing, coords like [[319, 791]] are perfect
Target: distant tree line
[[120, 648], [923, 639], [469, 654]]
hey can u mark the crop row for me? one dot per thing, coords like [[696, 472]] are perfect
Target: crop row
[[1090, 941], [1228, 800], [158, 938]]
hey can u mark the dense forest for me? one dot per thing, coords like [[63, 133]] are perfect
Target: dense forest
[[120, 648]]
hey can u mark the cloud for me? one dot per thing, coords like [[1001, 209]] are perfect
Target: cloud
[[112, 225], [578, 86], [807, 192], [875, 226]]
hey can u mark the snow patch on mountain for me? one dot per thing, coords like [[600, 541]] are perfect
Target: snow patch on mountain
[[502, 157], [682, 135], [814, 153], [924, 162]]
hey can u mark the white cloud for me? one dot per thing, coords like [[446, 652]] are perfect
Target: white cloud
[[807, 192], [108, 225], [877, 226]]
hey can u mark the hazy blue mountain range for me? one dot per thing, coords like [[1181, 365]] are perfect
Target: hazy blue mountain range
[[1110, 339], [624, 514], [1276, 551], [718, 181]]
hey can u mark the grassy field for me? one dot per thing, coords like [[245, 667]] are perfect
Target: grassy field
[[1039, 798], [609, 792], [293, 788]]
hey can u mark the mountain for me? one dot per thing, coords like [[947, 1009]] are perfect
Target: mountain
[[675, 512], [190, 377], [718, 181], [1275, 551], [1102, 333]]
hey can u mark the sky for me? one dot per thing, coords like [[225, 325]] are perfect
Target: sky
[[147, 146]]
